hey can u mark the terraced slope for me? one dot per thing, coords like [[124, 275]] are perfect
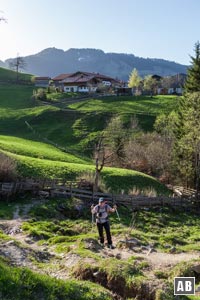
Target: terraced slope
[[73, 131]]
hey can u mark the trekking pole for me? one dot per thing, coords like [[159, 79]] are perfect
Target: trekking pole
[[92, 221], [116, 209], [117, 214]]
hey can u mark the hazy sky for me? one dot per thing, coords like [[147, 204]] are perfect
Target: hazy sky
[[146, 28]]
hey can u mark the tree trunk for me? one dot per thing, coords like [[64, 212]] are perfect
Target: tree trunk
[[197, 175], [96, 180]]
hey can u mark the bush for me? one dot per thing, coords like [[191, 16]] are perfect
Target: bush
[[8, 168], [40, 94]]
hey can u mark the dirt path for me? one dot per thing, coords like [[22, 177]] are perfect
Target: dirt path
[[21, 250]]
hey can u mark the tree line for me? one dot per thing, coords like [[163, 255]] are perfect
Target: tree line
[[150, 83], [172, 151]]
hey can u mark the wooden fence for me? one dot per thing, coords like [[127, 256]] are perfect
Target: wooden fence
[[59, 188]]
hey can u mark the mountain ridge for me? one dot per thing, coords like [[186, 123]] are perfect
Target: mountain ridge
[[52, 62]]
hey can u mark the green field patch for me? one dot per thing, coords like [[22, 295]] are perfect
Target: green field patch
[[21, 283], [123, 180], [16, 96], [116, 179], [128, 104], [7, 75], [18, 114], [36, 149]]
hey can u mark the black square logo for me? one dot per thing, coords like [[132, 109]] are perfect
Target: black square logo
[[184, 285]]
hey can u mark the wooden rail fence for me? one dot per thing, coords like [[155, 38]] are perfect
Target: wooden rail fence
[[59, 188]]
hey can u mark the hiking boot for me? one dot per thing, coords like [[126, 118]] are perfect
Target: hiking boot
[[111, 247]]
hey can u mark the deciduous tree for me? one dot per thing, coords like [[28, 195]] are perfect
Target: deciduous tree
[[134, 80], [150, 84]]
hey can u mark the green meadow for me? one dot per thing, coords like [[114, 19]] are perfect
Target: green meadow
[[35, 149], [69, 235], [22, 283], [9, 76], [129, 104], [47, 141], [117, 180]]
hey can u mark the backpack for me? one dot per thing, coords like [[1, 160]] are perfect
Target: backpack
[[98, 211]]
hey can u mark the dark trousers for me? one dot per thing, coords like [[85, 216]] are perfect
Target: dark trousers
[[106, 226]]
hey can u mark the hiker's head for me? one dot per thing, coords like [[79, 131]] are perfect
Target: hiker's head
[[102, 201]]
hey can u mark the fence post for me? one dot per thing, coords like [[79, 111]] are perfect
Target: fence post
[[132, 203], [93, 193], [71, 190]]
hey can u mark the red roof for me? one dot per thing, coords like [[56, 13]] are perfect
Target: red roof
[[80, 76], [62, 76], [96, 75], [42, 78]]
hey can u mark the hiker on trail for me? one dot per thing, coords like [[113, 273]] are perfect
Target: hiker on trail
[[102, 210]]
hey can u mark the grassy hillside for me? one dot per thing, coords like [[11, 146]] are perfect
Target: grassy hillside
[[53, 227], [9, 75], [76, 128], [72, 129], [129, 104], [21, 283], [131, 272], [37, 150], [116, 179]]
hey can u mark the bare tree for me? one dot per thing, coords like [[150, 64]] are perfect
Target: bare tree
[[151, 154], [100, 159], [110, 146], [2, 18], [17, 64]]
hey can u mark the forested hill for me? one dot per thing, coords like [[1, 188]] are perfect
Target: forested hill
[[52, 61]]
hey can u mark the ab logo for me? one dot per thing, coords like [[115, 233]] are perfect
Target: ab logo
[[184, 285]]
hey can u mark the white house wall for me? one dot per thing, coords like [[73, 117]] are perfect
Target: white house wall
[[80, 89], [107, 83], [70, 88]]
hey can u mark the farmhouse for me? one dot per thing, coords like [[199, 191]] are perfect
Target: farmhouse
[[172, 84], [84, 82], [42, 82]]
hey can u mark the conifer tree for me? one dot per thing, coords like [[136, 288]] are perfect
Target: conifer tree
[[192, 83], [187, 129], [187, 143]]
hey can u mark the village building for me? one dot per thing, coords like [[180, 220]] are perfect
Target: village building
[[42, 82], [84, 82]]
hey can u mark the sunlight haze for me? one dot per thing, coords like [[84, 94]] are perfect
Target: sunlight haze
[[154, 29]]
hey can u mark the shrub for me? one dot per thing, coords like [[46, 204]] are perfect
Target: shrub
[[86, 180], [40, 94], [8, 168]]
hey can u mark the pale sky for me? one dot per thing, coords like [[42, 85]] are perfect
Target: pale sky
[[146, 28]]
